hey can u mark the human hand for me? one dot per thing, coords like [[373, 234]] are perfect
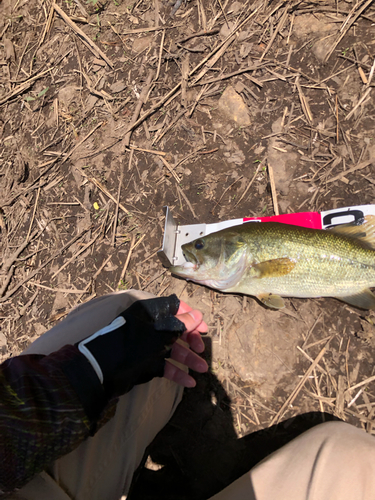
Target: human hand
[[133, 348], [182, 350]]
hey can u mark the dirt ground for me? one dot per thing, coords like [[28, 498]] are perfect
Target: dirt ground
[[111, 109]]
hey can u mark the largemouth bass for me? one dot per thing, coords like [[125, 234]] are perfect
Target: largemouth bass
[[271, 260]]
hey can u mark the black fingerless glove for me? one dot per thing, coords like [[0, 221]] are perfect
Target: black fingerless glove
[[132, 349]]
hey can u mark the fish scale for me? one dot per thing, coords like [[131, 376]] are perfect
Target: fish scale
[[272, 260]]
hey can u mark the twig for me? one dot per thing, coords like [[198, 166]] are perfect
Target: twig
[[371, 74], [340, 397], [33, 216], [170, 168], [87, 288], [355, 61], [21, 58], [24, 86], [177, 87], [367, 92], [47, 26], [84, 38], [337, 120], [319, 393], [142, 99], [360, 384], [4, 287], [304, 103], [197, 99], [346, 26], [238, 72], [187, 201], [305, 346], [224, 14], [364, 164], [105, 191], [7, 263], [175, 120], [22, 310], [279, 27], [160, 54], [355, 398], [184, 79], [5, 28], [153, 279], [273, 189], [225, 190], [132, 245], [34, 273], [68, 155], [200, 33], [81, 250], [202, 14], [299, 386], [152, 151], [185, 158], [152, 28], [318, 367], [116, 212], [61, 290], [250, 183], [131, 160], [213, 60]]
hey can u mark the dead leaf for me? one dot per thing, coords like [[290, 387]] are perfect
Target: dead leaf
[[133, 19], [118, 87], [9, 50]]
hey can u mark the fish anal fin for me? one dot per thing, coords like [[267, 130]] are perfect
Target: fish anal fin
[[271, 300], [273, 268], [364, 233], [363, 300]]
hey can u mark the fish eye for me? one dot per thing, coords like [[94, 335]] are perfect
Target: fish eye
[[199, 244]]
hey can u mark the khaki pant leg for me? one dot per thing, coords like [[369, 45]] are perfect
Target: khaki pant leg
[[333, 461], [102, 467]]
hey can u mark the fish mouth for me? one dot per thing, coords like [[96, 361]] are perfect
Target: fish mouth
[[191, 260], [187, 268]]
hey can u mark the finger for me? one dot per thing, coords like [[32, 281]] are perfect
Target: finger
[[171, 372], [194, 340], [193, 320], [161, 307], [170, 325], [188, 358], [184, 308]]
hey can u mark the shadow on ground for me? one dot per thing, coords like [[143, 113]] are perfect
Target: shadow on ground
[[199, 450]]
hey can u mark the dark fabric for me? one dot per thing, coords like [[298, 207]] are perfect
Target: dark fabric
[[135, 352], [86, 384], [41, 415]]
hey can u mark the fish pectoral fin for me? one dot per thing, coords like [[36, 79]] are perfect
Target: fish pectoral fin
[[273, 268], [271, 300], [365, 232], [363, 300]]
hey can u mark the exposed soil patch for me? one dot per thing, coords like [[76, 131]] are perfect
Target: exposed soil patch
[[110, 110]]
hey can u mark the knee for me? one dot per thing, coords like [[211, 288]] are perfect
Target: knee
[[339, 442]]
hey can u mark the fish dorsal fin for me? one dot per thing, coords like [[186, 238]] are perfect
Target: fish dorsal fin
[[273, 268], [364, 299], [364, 233]]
